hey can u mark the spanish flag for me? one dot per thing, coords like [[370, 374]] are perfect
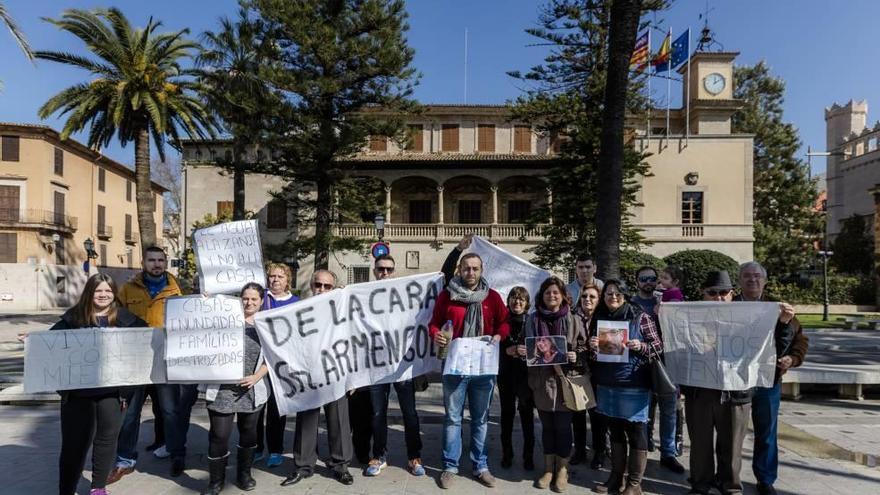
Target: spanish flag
[[661, 60], [639, 59]]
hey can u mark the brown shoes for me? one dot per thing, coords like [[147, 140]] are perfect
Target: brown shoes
[[118, 473]]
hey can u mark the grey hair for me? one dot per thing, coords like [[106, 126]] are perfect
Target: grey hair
[[335, 279], [752, 264]]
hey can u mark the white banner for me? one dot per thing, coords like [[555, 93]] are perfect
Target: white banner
[[504, 271], [375, 332], [205, 339], [228, 256], [722, 346], [92, 358]]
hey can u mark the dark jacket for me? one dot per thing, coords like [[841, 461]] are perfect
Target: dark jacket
[[513, 369], [124, 318], [546, 385]]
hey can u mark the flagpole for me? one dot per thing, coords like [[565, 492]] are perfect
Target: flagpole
[[650, 101], [687, 118], [668, 86]]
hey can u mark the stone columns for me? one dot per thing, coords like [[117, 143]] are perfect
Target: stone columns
[[550, 203], [388, 204], [440, 205], [494, 189]]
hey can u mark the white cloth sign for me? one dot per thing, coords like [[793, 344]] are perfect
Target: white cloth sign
[[722, 346], [319, 348], [504, 271], [472, 356], [228, 256], [92, 358], [205, 339]]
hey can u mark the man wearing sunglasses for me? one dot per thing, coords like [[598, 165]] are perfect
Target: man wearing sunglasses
[[305, 440], [791, 348], [722, 413]]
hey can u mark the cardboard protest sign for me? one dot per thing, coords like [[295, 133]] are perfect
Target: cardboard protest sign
[[613, 336], [228, 256], [92, 358], [720, 345], [504, 271], [205, 339], [376, 332]]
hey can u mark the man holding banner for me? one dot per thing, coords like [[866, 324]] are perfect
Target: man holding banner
[[305, 440], [474, 310]]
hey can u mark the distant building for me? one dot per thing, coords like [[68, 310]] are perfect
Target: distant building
[[470, 168], [54, 195]]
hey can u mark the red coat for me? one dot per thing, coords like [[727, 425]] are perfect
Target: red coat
[[494, 315]]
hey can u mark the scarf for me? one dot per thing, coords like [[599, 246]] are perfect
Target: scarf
[[155, 285], [473, 317], [552, 322], [585, 319], [516, 327]]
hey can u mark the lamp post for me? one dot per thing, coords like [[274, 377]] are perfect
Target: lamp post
[[825, 254], [379, 221]]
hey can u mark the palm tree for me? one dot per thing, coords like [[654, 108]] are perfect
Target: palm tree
[[5, 18], [138, 90], [230, 63]]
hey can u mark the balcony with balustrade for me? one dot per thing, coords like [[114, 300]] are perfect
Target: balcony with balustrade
[[21, 218]]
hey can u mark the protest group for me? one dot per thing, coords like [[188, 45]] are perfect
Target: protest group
[[591, 355]]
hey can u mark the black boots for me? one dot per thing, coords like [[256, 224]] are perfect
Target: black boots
[[217, 470], [618, 471], [245, 462]]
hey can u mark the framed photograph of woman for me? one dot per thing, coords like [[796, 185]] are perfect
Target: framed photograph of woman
[[546, 350]]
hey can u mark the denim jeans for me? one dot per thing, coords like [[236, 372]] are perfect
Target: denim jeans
[[126, 445], [177, 401], [478, 392], [668, 404], [765, 412], [406, 398]]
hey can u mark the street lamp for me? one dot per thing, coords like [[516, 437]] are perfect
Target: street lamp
[[825, 255], [379, 221], [89, 246]]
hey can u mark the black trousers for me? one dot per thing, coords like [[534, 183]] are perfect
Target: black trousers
[[599, 430], [158, 421], [556, 432], [305, 440], [632, 432], [360, 408], [273, 432], [88, 422], [716, 430], [515, 395], [221, 430]]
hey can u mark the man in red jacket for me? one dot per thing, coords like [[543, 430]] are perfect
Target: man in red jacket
[[475, 310]]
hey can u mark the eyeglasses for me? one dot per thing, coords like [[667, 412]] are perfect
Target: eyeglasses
[[319, 285], [716, 293], [518, 300], [388, 269], [648, 278]]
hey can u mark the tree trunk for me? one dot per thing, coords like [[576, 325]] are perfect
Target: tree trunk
[[144, 190], [238, 186], [322, 222], [621, 41]]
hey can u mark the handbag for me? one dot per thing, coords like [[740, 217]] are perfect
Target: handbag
[[660, 380], [577, 392]]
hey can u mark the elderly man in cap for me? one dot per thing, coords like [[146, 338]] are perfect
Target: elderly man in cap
[[710, 412]]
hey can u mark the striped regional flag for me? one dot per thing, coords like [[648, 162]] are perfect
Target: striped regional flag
[[640, 56]]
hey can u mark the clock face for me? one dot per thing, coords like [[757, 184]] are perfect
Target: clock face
[[714, 83]]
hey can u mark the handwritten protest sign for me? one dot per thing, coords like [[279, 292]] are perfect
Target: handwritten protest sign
[[376, 332], [722, 346], [92, 358], [205, 339], [504, 271], [228, 256], [472, 357]]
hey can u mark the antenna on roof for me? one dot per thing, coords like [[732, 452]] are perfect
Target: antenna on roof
[[465, 63], [707, 36]]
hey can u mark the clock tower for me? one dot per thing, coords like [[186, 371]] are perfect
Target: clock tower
[[711, 92]]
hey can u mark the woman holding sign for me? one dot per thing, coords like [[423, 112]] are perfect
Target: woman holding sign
[[622, 373], [244, 400], [92, 417], [553, 320]]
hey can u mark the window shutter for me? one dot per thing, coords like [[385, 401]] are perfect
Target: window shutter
[[59, 161], [486, 138], [378, 143], [8, 247], [449, 137], [10, 151], [128, 191], [416, 138], [276, 214], [522, 139], [102, 179]]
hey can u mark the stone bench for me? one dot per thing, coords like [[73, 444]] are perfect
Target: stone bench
[[855, 321], [849, 379]]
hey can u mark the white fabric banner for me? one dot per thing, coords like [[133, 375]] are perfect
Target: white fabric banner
[[720, 345], [92, 358], [504, 271], [375, 332], [205, 339], [228, 256]]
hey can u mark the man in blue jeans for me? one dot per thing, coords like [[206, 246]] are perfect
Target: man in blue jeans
[[474, 310], [177, 402], [791, 349], [383, 268]]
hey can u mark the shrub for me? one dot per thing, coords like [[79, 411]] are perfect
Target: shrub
[[631, 260], [841, 290], [697, 263]]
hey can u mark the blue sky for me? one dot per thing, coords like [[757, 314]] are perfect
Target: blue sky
[[822, 48]]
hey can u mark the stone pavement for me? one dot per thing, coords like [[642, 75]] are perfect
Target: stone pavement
[[29, 443], [850, 427]]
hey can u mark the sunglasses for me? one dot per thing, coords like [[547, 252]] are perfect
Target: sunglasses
[[716, 293], [319, 285], [387, 269], [648, 278]]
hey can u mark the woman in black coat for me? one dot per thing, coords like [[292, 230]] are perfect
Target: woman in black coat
[[92, 417]]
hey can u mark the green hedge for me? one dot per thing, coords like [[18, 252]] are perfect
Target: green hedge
[[841, 290], [630, 261], [697, 263]]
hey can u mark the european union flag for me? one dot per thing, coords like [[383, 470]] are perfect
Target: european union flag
[[681, 49]]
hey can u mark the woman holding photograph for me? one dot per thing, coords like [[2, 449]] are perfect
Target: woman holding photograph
[[553, 317], [513, 386], [92, 417], [546, 352], [584, 309], [623, 389]]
